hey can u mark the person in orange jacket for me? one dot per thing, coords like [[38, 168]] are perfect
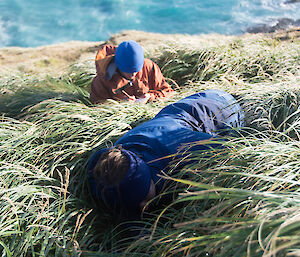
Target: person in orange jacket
[[124, 74]]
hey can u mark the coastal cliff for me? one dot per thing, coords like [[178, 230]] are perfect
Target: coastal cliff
[[55, 60]]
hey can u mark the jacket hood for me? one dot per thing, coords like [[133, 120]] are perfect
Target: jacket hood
[[131, 191], [102, 64]]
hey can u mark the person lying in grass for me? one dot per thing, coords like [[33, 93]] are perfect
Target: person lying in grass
[[124, 74], [126, 176]]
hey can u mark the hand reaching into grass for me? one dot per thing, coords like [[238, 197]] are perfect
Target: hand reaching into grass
[[143, 99]]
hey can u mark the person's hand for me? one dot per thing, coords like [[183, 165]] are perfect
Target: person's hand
[[131, 98], [144, 99]]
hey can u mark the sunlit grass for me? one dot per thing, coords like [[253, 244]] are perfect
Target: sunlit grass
[[241, 200]]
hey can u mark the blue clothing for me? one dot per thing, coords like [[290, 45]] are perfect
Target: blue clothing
[[195, 118]]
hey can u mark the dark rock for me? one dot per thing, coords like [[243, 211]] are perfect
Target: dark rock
[[292, 1], [281, 24], [262, 28]]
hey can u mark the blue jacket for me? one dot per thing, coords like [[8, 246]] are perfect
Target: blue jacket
[[195, 118]]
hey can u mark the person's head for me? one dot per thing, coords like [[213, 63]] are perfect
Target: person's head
[[129, 58], [112, 166], [125, 179]]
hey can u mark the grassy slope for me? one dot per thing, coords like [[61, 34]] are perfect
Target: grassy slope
[[243, 201]]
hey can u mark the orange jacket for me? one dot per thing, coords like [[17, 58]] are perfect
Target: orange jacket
[[148, 80]]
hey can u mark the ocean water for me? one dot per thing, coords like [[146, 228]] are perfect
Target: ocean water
[[41, 22]]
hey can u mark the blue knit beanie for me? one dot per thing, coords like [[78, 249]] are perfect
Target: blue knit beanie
[[129, 57]]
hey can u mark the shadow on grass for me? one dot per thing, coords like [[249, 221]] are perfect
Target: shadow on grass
[[13, 104]]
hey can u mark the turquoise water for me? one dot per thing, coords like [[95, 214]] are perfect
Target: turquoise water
[[42, 22]]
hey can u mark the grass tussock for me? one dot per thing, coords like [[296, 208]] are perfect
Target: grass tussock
[[244, 60], [241, 201]]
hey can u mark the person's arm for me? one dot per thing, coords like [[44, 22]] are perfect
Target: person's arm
[[158, 86], [104, 51], [98, 93]]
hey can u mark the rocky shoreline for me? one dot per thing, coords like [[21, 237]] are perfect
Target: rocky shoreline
[[281, 24]]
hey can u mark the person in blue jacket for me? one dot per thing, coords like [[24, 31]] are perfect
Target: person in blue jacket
[[126, 176]]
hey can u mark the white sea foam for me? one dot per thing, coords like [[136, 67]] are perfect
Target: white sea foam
[[255, 12], [4, 36], [39, 22]]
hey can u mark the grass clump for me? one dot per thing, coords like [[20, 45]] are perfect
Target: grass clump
[[241, 201], [245, 60], [55, 139], [275, 112]]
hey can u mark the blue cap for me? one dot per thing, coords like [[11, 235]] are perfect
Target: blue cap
[[133, 188], [129, 57]]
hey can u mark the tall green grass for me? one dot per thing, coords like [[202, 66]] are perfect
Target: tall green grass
[[241, 201], [53, 141], [242, 59]]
